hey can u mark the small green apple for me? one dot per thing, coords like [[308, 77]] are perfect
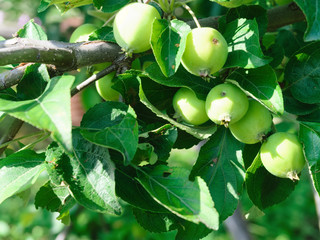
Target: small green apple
[[132, 27], [82, 33], [206, 51], [233, 3], [282, 155], [105, 90], [226, 104], [190, 108], [254, 125]]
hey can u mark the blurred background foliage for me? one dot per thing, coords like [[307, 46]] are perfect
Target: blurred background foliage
[[295, 218]]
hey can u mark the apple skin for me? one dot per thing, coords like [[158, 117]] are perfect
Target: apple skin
[[82, 33], [233, 3], [254, 125], [190, 108], [104, 88], [283, 2], [282, 155], [132, 27], [206, 51], [226, 104]]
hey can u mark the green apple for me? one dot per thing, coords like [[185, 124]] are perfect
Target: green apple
[[226, 104], [282, 155], [189, 107], [233, 3], [104, 88], [254, 125], [132, 27], [206, 51], [283, 2], [82, 33]]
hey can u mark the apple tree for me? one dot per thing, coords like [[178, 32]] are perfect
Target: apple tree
[[169, 81]]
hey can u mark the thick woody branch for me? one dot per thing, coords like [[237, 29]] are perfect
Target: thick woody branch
[[65, 56]]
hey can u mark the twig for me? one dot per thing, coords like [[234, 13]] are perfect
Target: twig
[[192, 15]]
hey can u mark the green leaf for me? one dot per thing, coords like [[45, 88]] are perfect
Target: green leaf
[[154, 222], [110, 5], [54, 198], [62, 5], [250, 12], [33, 31], [162, 140], [260, 84], [19, 171], [294, 106], [220, 165], [302, 74], [310, 10], [242, 36], [164, 222], [112, 125], [89, 173], [127, 187], [181, 79], [35, 75], [265, 189], [309, 134], [50, 111], [290, 40], [201, 132], [188, 200], [104, 34], [168, 41]]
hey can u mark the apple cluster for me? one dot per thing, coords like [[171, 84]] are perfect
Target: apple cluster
[[226, 104]]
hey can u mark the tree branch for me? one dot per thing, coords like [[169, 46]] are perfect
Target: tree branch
[[65, 56]]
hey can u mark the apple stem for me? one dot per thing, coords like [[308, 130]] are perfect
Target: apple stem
[[192, 14], [293, 176]]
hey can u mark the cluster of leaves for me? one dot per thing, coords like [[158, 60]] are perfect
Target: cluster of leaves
[[109, 155]]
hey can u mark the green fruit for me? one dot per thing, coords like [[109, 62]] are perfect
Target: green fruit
[[226, 104], [82, 33], [283, 2], [190, 108], [104, 86], [206, 51], [282, 155], [254, 125], [132, 27], [233, 3]]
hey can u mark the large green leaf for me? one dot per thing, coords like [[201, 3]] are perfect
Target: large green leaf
[[189, 200], [221, 166], [89, 173], [35, 75], [201, 132], [55, 199], [302, 74], [33, 31], [127, 187], [182, 78], [109, 5], [62, 5], [309, 134], [112, 125], [265, 189], [261, 84], [19, 171], [50, 111], [242, 36], [168, 41], [310, 9], [164, 222], [294, 106]]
